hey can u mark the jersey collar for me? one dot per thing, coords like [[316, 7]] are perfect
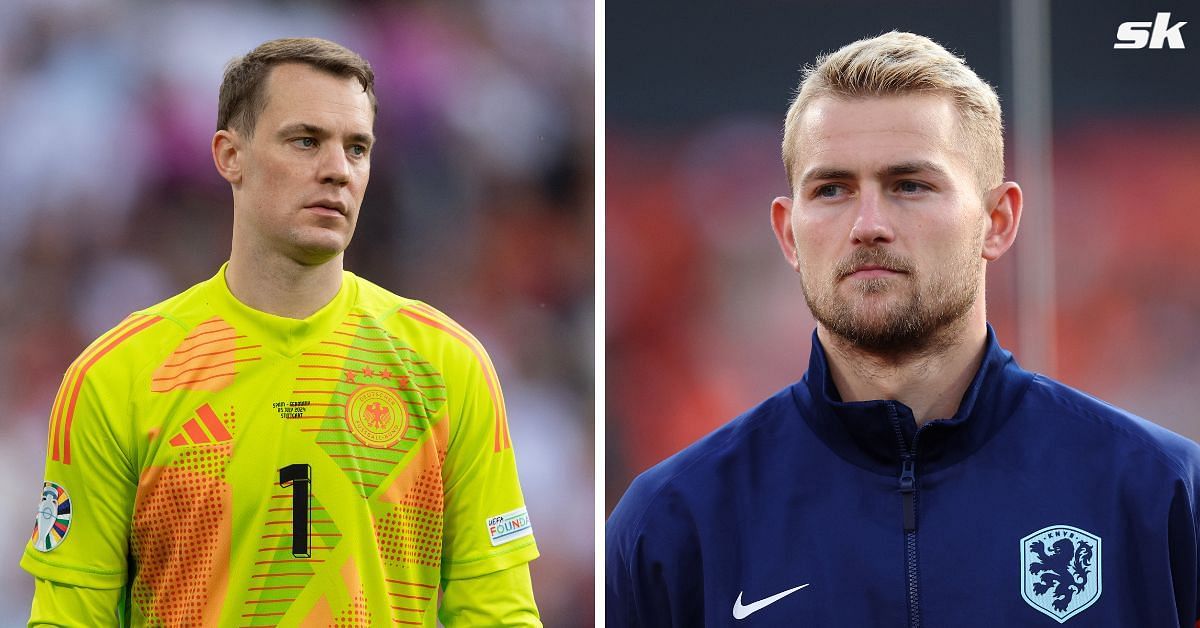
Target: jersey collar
[[878, 434], [286, 336]]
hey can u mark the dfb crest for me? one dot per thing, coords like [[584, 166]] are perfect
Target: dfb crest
[[1060, 571]]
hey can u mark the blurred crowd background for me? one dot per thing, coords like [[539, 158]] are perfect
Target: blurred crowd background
[[704, 318], [481, 202]]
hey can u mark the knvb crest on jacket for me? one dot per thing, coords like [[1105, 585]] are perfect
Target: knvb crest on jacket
[[1060, 571]]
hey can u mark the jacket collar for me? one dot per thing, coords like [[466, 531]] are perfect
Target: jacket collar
[[879, 434]]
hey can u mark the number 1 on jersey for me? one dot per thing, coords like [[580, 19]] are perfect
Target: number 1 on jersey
[[299, 477]]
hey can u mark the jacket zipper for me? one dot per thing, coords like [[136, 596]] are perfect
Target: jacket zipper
[[908, 493], [908, 496]]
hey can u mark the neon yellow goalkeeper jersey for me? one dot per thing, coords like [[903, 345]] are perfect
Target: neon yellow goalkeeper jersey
[[229, 467]]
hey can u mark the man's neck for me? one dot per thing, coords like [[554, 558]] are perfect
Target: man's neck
[[281, 286], [931, 382]]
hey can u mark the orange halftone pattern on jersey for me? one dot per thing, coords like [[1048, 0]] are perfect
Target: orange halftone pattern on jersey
[[411, 533], [419, 484], [181, 539], [205, 460], [206, 359], [356, 613], [410, 536], [353, 615], [63, 412], [356, 616], [426, 493]]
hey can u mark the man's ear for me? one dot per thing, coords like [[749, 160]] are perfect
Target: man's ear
[[781, 224], [1004, 204], [227, 149]]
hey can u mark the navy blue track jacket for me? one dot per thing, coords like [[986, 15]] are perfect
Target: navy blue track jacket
[[1035, 505]]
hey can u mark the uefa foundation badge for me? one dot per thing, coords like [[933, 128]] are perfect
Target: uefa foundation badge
[[53, 518], [509, 526], [1060, 571]]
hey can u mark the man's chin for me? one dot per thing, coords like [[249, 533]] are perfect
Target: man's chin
[[892, 334], [874, 286], [880, 339], [877, 324], [317, 251], [877, 309]]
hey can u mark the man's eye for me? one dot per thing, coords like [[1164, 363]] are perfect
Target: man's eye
[[911, 187], [305, 142], [828, 191], [358, 150]]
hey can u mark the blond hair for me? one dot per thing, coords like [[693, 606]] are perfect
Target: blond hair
[[896, 64]]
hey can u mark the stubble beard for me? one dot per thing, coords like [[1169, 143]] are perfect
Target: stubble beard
[[313, 245], [919, 319]]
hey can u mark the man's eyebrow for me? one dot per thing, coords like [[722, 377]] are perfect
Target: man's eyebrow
[[824, 174], [362, 138], [912, 167], [828, 173], [304, 128]]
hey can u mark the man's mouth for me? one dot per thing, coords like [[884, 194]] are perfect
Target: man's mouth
[[327, 207], [873, 271]]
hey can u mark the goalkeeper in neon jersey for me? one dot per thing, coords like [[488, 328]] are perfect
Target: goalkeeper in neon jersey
[[286, 443]]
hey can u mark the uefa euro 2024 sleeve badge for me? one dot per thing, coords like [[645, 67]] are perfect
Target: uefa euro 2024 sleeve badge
[[53, 518], [1060, 571]]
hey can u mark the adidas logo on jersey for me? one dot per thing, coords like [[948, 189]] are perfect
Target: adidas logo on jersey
[[204, 427]]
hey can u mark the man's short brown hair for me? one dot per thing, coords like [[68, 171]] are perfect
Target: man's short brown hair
[[243, 96], [895, 64]]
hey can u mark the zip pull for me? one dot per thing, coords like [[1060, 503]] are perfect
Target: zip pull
[[908, 489]]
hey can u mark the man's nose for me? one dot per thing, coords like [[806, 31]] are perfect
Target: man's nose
[[872, 224], [334, 166]]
